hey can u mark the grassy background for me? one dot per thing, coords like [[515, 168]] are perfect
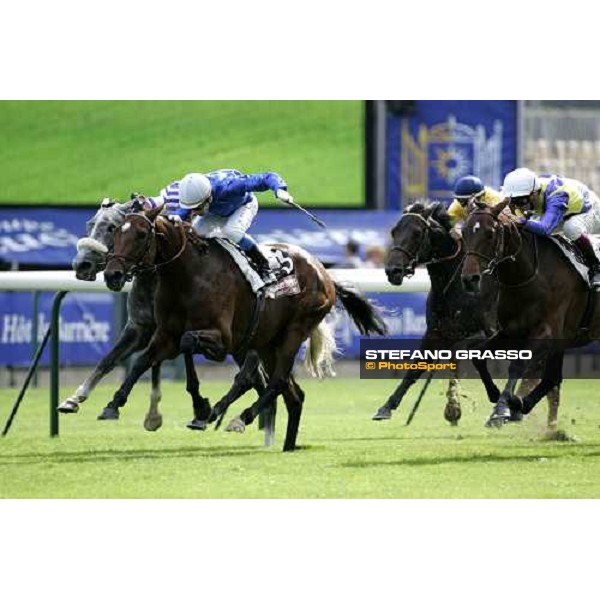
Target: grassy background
[[344, 454], [80, 151]]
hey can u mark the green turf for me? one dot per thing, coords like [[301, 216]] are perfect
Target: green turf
[[81, 151], [344, 454]]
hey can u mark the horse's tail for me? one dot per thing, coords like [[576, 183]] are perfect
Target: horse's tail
[[320, 351], [363, 313]]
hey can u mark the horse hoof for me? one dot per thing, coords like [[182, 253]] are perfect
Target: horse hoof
[[197, 425], [452, 413], [109, 414], [153, 422], [236, 425], [516, 416], [68, 407], [383, 414]]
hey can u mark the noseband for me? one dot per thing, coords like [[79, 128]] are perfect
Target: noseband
[[414, 257]]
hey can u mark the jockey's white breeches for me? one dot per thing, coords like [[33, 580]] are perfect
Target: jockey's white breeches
[[233, 227], [588, 222]]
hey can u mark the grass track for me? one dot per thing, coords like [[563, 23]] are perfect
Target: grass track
[[344, 454]]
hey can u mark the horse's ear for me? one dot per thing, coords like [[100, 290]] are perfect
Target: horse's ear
[[107, 203], [429, 210], [153, 213], [496, 210]]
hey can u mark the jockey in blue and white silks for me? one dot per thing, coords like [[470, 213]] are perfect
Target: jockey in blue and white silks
[[557, 202], [228, 205]]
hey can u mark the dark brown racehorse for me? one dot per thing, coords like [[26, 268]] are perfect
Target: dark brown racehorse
[[203, 304], [541, 303]]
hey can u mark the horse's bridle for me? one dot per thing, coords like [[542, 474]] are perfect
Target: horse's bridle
[[138, 266], [430, 223], [493, 262]]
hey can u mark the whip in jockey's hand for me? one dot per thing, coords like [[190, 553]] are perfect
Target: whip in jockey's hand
[[284, 196]]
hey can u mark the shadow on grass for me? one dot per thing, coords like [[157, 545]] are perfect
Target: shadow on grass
[[469, 459], [98, 456]]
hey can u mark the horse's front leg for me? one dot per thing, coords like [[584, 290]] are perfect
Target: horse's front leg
[[153, 418], [384, 412], [161, 347], [453, 412], [200, 404], [132, 338]]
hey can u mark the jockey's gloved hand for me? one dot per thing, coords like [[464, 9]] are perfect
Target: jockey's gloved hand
[[284, 196], [175, 219]]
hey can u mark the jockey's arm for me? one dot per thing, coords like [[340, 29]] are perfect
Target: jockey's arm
[[556, 207], [258, 182]]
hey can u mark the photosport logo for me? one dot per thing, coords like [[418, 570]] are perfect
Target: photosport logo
[[396, 358]]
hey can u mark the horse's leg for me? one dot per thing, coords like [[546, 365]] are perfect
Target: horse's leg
[[502, 411], [161, 347], [249, 376], [452, 412], [132, 338], [278, 380], [553, 403], [384, 412], [200, 404], [153, 418], [552, 377], [294, 400], [491, 389]]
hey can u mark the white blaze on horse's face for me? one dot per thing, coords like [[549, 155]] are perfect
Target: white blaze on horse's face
[[476, 227]]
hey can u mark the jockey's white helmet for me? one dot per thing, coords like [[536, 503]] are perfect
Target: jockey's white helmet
[[519, 183], [194, 189]]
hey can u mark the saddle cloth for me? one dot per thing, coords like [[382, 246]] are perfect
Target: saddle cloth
[[279, 261], [570, 251]]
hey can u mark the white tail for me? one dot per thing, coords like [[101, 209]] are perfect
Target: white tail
[[320, 350]]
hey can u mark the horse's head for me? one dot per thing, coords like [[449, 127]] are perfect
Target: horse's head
[[415, 237], [483, 236], [92, 250], [134, 247]]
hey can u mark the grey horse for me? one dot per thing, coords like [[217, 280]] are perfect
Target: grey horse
[[92, 252]]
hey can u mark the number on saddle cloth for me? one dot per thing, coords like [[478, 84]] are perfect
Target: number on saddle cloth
[[280, 262]]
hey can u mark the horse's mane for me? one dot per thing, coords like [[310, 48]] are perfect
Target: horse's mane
[[505, 217], [164, 226], [437, 210]]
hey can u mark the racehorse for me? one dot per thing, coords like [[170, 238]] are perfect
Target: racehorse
[[92, 253], [543, 302], [204, 305], [422, 238]]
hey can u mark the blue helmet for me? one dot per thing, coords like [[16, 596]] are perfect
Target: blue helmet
[[468, 187]]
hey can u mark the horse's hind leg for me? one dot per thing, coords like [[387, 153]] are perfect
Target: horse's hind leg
[[132, 338], [278, 381], [249, 376], [200, 404], [294, 400], [553, 403], [153, 418]]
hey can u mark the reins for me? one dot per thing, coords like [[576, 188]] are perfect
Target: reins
[[495, 261]]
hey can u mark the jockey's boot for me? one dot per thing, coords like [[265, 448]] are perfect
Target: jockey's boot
[[584, 244], [262, 264]]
